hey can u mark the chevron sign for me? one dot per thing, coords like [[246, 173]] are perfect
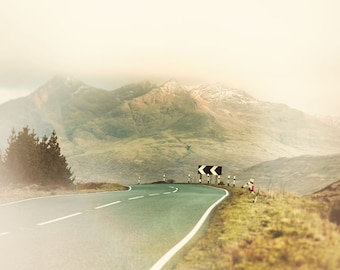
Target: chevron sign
[[213, 170]]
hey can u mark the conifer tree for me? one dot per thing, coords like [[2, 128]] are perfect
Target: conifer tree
[[44, 162], [59, 171], [21, 157], [29, 160]]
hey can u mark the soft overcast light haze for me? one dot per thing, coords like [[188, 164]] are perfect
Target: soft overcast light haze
[[280, 51]]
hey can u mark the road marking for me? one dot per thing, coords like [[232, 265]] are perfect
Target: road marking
[[106, 205], [50, 196], [59, 219], [175, 189], [4, 233], [167, 256], [154, 194], [32, 199], [167, 192], [135, 198]]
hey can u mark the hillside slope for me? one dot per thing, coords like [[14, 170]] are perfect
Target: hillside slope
[[301, 175], [145, 130], [280, 231], [330, 195]]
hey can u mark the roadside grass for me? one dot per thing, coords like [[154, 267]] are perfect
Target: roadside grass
[[279, 231], [83, 187], [12, 193]]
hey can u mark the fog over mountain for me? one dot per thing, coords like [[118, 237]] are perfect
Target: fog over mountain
[[147, 130]]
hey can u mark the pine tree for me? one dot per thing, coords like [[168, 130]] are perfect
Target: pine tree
[[30, 160], [44, 162], [59, 173], [21, 157]]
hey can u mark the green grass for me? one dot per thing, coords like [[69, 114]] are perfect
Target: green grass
[[277, 232]]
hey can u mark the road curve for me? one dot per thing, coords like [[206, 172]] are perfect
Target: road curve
[[137, 229]]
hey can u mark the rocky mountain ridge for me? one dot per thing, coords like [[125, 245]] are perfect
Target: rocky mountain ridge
[[147, 130], [332, 121]]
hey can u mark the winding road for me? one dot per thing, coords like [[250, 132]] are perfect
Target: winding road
[[137, 229]]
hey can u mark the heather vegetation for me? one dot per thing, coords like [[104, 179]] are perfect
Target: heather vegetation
[[30, 160], [279, 231]]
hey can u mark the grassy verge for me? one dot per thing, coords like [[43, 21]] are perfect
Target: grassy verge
[[13, 193], [277, 232]]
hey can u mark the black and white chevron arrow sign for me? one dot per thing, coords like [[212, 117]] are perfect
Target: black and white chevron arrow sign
[[213, 170]]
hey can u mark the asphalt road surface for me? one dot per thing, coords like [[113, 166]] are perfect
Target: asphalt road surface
[[137, 229]]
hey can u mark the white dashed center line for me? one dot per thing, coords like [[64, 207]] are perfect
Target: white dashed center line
[[59, 219], [135, 198], [106, 205], [98, 207]]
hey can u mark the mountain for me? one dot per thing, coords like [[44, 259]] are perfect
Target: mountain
[[147, 130], [330, 120], [301, 175], [41, 110]]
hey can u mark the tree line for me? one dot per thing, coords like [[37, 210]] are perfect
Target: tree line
[[33, 160]]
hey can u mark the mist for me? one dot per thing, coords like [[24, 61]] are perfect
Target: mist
[[284, 52]]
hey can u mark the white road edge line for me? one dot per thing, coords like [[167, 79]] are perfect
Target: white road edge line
[[167, 256], [4, 233], [135, 198], [59, 219], [31, 199], [167, 192], [106, 205], [154, 194], [50, 196]]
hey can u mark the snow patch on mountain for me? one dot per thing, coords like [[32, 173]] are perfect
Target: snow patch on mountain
[[171, 86], [81, 89], [218, 93]]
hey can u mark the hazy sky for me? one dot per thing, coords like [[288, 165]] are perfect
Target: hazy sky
[[281, 51]]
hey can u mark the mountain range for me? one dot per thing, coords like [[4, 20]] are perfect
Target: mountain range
[[146, 130]]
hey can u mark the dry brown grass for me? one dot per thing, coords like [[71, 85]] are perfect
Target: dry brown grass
[[280, 231]]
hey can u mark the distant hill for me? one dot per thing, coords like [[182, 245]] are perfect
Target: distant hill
[[330, 120], [147, 130], [301, 175], [331, 196]]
